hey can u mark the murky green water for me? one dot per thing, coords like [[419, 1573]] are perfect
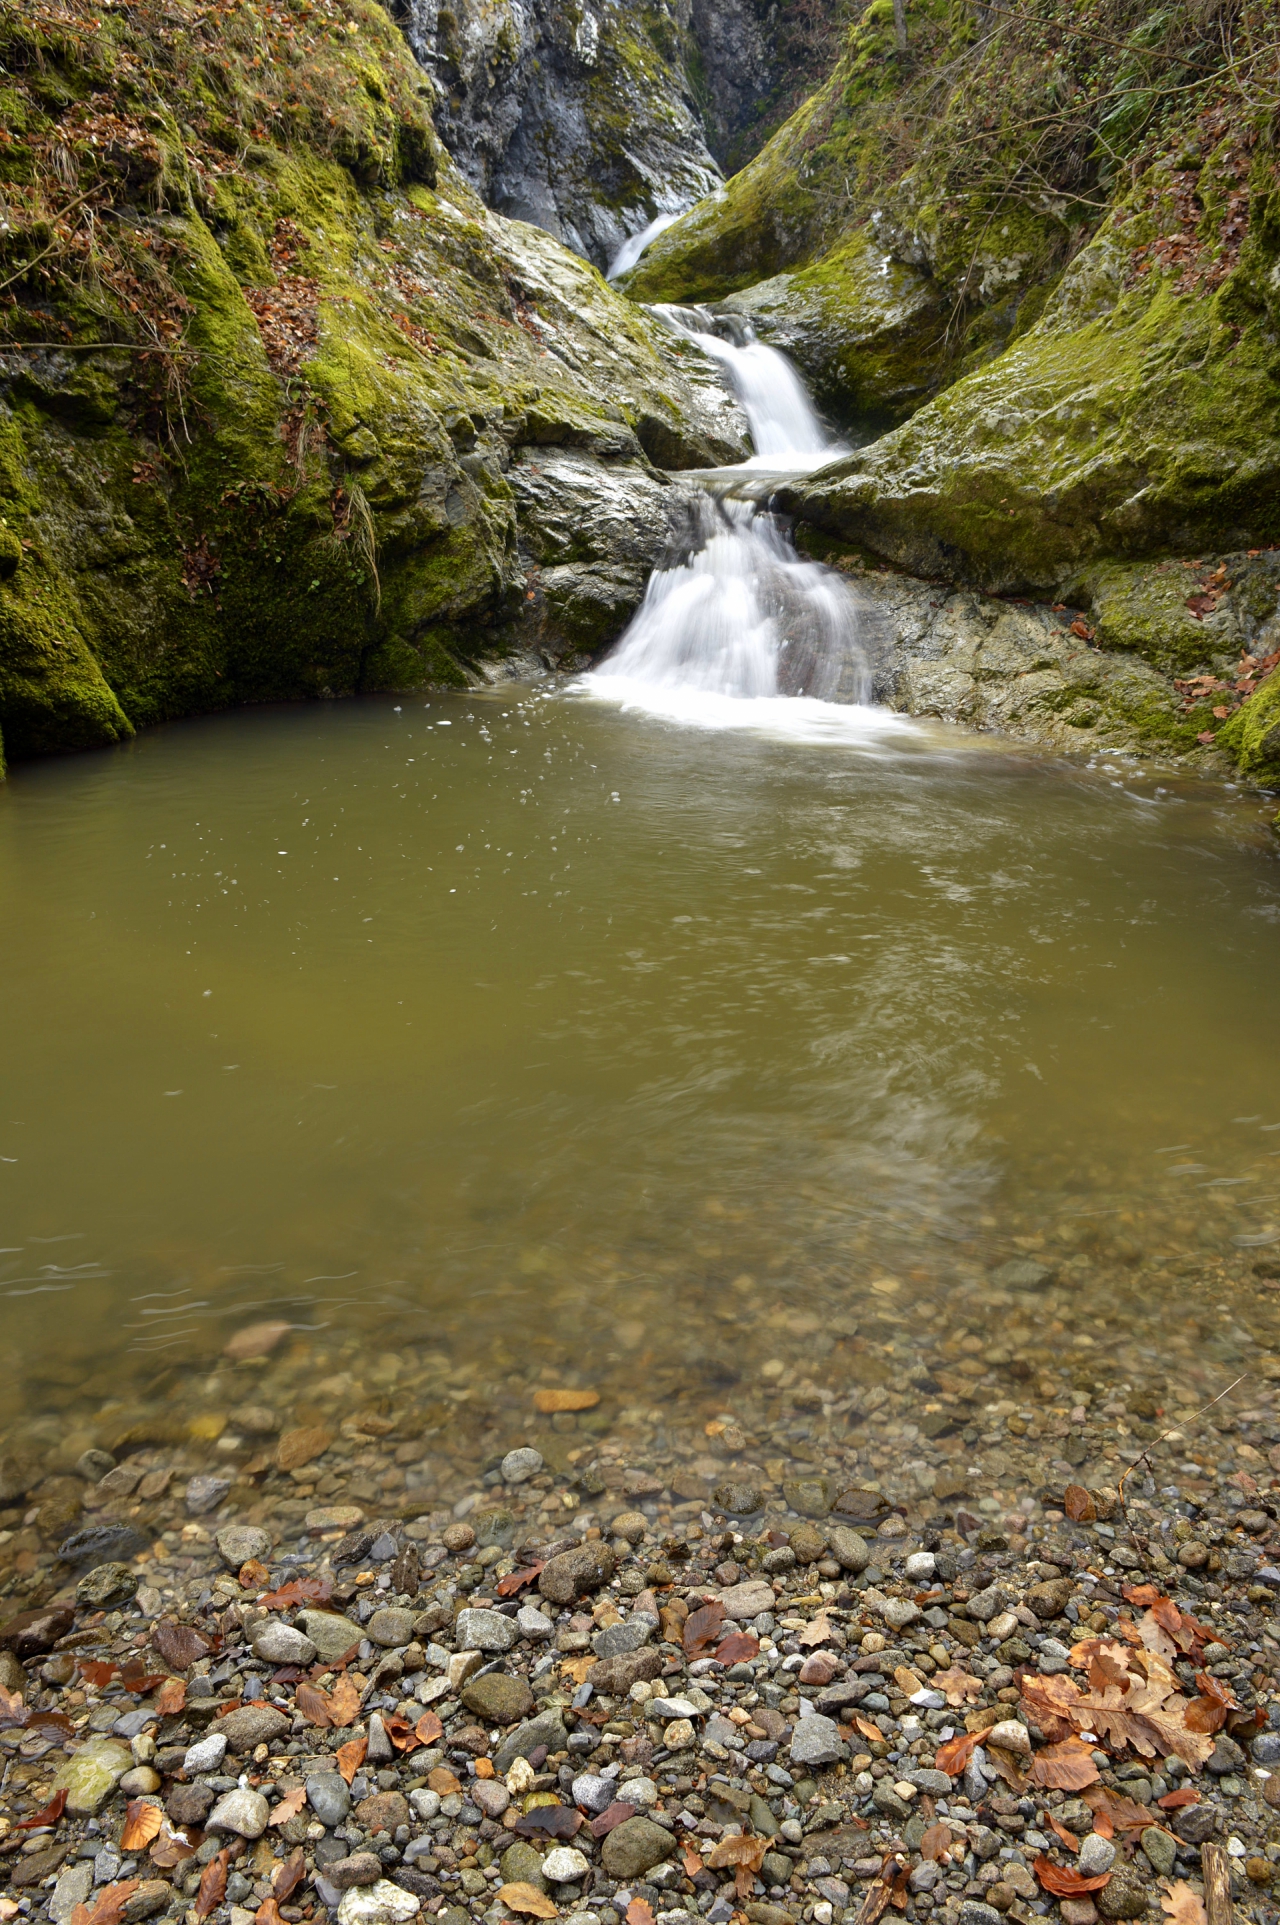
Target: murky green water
[[511, 1020]]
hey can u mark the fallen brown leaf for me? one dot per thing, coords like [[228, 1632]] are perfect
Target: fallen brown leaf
[[213, 1886], [268, 1913], [1068, 1838], [1180, 1904], [1078, 1504], [288, 1876], [108, 1906], [516, 1580], [1067, 1766], [639, 1912], [171, 1848], [520, 1897], [936, 1843], [737, 1647], [179, 1644], [692, 1860], [301, 1446], [344, 1701], [817, 1631], [702, 1628], [350, 1757], [429, 1728], [170, 1699], [142, 1822], [953, 1756], [299, 1590], [958, 1686], [1063, 1882], [313, 1704], [443, 1781], [289, 1806], [49, 1816]]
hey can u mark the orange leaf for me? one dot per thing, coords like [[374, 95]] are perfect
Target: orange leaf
[[350, 1757], [429, 1728], [740, 1850], [400, 1731], [872, 1732], [737, 1647], [1068, 1838], [1180, 1904], [1078, 1504], [692, 1861], [108, 1906], [639, 1912], [1065, 1883], [289, 1806], [953, 1756], [96, 1671], [1205, 1715], [1103, 1825], [252, 1575], [313, 1704], [1174, 1800], [213, 1885], [141, 1824], [299, 1590], [702, 1628], [344, 1701], [443, 1781], [1067, 1766], [936, 1842], [516, 1580], [958, 1685], [268, 1913], [520, 1897], [49, 1816], [170, 1699]]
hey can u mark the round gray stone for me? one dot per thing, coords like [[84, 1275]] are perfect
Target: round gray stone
[[519, 1465], [277, 1643], [329, 1798], [242, 1811], [237, 1543]]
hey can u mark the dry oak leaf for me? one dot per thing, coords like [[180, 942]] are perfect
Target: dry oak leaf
[[299, 1590], [516, 1580], [1121, 1813], [639, 1912], [142, 1823], [429, 1728], [550, 1401], [577, 1668], [350, 1757], [817, 1631], [1067, 1766], [957, 1685], [179, 1644], [1065, 1883], [953, 1756], [1180, 1904], [443, 1781], [344, 1702], [520, 1897], [289, 1806], [108, 1906], [213, 1885], [936, 1843]]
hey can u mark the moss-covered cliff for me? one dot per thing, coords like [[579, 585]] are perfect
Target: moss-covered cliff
[[267, 367]]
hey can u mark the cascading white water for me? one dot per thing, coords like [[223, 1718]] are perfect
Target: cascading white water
[[735, 626], [635, 244]]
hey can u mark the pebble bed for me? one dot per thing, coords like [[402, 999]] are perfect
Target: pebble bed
[[497, 1692]]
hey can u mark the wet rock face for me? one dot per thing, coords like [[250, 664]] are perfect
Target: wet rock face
[[579, 120]]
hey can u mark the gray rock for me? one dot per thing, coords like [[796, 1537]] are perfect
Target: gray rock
[[973, 1912], [1196, 1824], [242, 1811], [1265, 1748], [205, 1492], [899, 1612], [988, 1604], [886, 1799], [546, 1729], [101, 1544], [634, 1847], [253, 1725], [593, 1793], [533, 1623], [739, 1500], [391, 1627], [75, 1882], [329, 1798], [519, 1465], [617, 1640], [205, 1755], [1096, 1855], [1023, 1273], [482, 1630], [380, 1749], [816, 1741], [935, 1784], [106, 1585], [576, 1573], [237, 1543], [332, 1635], [1160, 1850], [742, 1601], [848, 1548], [278, 1643]]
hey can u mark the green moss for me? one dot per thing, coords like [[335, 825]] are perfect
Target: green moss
[[52, 693], [1252, 735]]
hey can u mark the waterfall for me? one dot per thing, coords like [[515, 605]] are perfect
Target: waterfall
[[735, 626], [635, 244]]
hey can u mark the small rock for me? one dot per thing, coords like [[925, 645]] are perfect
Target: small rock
[[483, 1630], [109, 1584], [152, 1896], [392, 1627], [739, 1500], [140, 1782], [746, 1601], [237, 1543], [278, 1643], [618, 1640], [1126, 1894], [92, 1774], [205, 1755], [1097, 1855], [1023, 1273], [72, 1889], [593, 1793], [630, 1525], [973, 1912], [679, 1735], [634, 1847], [384, 1811], [329, 1797], [808, 1543], [361, 1868], [519, 1465], [490, 1795], [988, 1604], [848, 1548], [253, 1725], [808, 1495], [333, 1517], [1079, 1911], [546, 1730], [1196, 1824], [205, 1492], [1011, 1735], [921, 1566], [564, 1865], [457, 1538], [190, 1804], [1265, 1749], [332, 1635], [497, 1698], [522, 1865], [1160, 1850], [255, 1340], [242, 1811], [533, 1623], [576, 1573], [899, 1612], [816, 1741], [380, 1904]]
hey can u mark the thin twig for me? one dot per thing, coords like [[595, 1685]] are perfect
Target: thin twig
[[1081, 33], [89, 347], [1169, 1433]]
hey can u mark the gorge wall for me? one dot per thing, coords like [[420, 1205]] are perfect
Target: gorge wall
[[310, 383]]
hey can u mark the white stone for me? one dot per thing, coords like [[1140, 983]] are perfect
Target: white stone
[[672, 1707], [205, 1755], [380, 1904], [1004, 1626], [678, 1735], [242, 1810], [426, 1804], [277, 1643], [1097, 1855], [533, 1623], [921, 1565], [518, 1465], [1010, 1735], [564, 1866], [481, 1630]]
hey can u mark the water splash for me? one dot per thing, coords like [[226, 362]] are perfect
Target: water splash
[[785, 428]]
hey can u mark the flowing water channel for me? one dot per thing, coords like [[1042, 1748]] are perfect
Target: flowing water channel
[[661, 1030]]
